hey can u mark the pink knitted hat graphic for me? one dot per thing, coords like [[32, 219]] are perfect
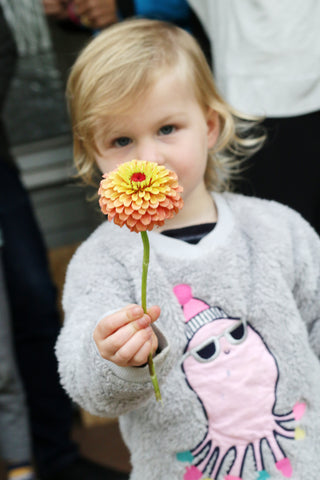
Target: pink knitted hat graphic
[[197, 313]]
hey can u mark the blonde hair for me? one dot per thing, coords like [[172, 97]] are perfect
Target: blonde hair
[[119, 66]]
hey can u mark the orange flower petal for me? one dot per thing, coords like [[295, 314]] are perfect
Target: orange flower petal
[[128, 211], [145, 219], [131, 222], [135, 206]]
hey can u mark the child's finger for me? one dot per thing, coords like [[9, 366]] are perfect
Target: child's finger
[[115, 331], [125, 356], [141, 356], [131, 314], [119, 338], [154, 313], [155, 343], [113, 322]]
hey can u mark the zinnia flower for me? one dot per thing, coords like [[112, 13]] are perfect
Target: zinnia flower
[[140, 195]]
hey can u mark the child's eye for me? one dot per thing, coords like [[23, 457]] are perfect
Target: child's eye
[[166, 129], [122, 141]]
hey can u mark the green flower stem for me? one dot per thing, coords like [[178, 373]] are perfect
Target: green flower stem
[[145, 265]]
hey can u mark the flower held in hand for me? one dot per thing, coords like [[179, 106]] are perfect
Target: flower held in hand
[[140, 195]]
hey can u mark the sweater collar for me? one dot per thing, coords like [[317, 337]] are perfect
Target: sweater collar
[[217, 237]]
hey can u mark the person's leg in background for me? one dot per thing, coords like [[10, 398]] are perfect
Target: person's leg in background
[[15, 438], [36, 324]]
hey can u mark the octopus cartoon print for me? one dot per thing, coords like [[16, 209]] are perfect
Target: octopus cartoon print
[[224, 360]]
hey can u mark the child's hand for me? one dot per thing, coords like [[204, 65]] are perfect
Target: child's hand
[[126, 337]]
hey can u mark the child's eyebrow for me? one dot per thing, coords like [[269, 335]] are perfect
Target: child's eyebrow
[[110, 132], [173, 117]]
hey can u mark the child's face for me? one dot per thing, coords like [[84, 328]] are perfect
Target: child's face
[[167, 126]]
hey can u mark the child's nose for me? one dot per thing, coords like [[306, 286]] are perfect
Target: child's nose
[[150, 152]]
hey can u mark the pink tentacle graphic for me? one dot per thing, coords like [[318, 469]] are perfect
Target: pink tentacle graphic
[[284, 466]]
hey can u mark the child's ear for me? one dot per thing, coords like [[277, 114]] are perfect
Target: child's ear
[[213, 127]]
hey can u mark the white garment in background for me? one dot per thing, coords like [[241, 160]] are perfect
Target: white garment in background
[[29, 26], [266, 53]]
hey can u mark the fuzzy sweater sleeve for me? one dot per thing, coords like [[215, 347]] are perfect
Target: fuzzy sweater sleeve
[[97, 284]]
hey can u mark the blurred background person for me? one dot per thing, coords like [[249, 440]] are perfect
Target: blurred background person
[[266, 57], [93, 13], [15, 438], [35, 320], [98, 14]]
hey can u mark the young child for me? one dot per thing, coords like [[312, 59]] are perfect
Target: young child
[[233, 283]]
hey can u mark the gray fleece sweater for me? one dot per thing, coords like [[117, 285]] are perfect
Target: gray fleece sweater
[[239, 336]]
